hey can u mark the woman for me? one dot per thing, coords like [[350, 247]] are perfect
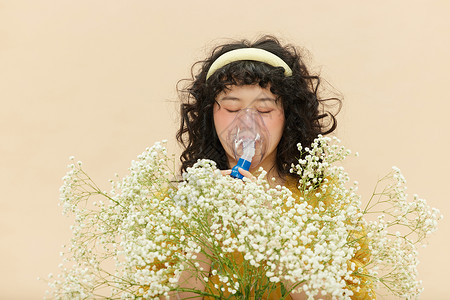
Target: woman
[[268, 80], [294, 95]]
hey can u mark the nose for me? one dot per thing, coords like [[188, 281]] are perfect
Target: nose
[[249, 116]]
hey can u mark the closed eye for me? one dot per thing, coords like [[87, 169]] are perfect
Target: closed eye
[[232, 111]]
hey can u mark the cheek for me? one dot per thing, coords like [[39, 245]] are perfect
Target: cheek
[[221, 120], [275, 125]]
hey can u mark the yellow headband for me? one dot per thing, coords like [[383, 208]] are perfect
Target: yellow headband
[[254, 54]]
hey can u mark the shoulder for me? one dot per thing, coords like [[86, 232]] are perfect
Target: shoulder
[[291, 182]]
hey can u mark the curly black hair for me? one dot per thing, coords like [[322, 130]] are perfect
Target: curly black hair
[[305, 113]]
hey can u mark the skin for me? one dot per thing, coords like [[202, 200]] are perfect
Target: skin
[[237, 98]]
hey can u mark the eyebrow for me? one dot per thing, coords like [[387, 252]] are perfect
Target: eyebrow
[[262, 99]]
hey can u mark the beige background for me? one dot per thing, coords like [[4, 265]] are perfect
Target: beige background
[[96, 79]]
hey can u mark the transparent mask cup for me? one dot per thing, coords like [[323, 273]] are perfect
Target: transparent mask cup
[[248, 138]]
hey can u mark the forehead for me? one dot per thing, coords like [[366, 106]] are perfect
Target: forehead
[[247, 93]]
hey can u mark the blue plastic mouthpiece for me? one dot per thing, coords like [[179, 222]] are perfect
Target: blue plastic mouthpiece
[[242, 163]]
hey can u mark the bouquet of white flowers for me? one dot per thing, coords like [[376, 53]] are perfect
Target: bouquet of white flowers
[[309, 236]]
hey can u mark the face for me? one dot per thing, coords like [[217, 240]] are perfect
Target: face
[[237, 98]]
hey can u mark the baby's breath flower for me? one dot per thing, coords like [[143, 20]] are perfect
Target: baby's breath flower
[[154, 231]]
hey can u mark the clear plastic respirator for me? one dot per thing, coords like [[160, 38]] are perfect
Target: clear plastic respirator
[[248, 138]]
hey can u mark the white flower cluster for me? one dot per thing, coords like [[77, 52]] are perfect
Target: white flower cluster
[[400, 228], [138, 240], [317, 162], [285, 239], [94, 263]]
